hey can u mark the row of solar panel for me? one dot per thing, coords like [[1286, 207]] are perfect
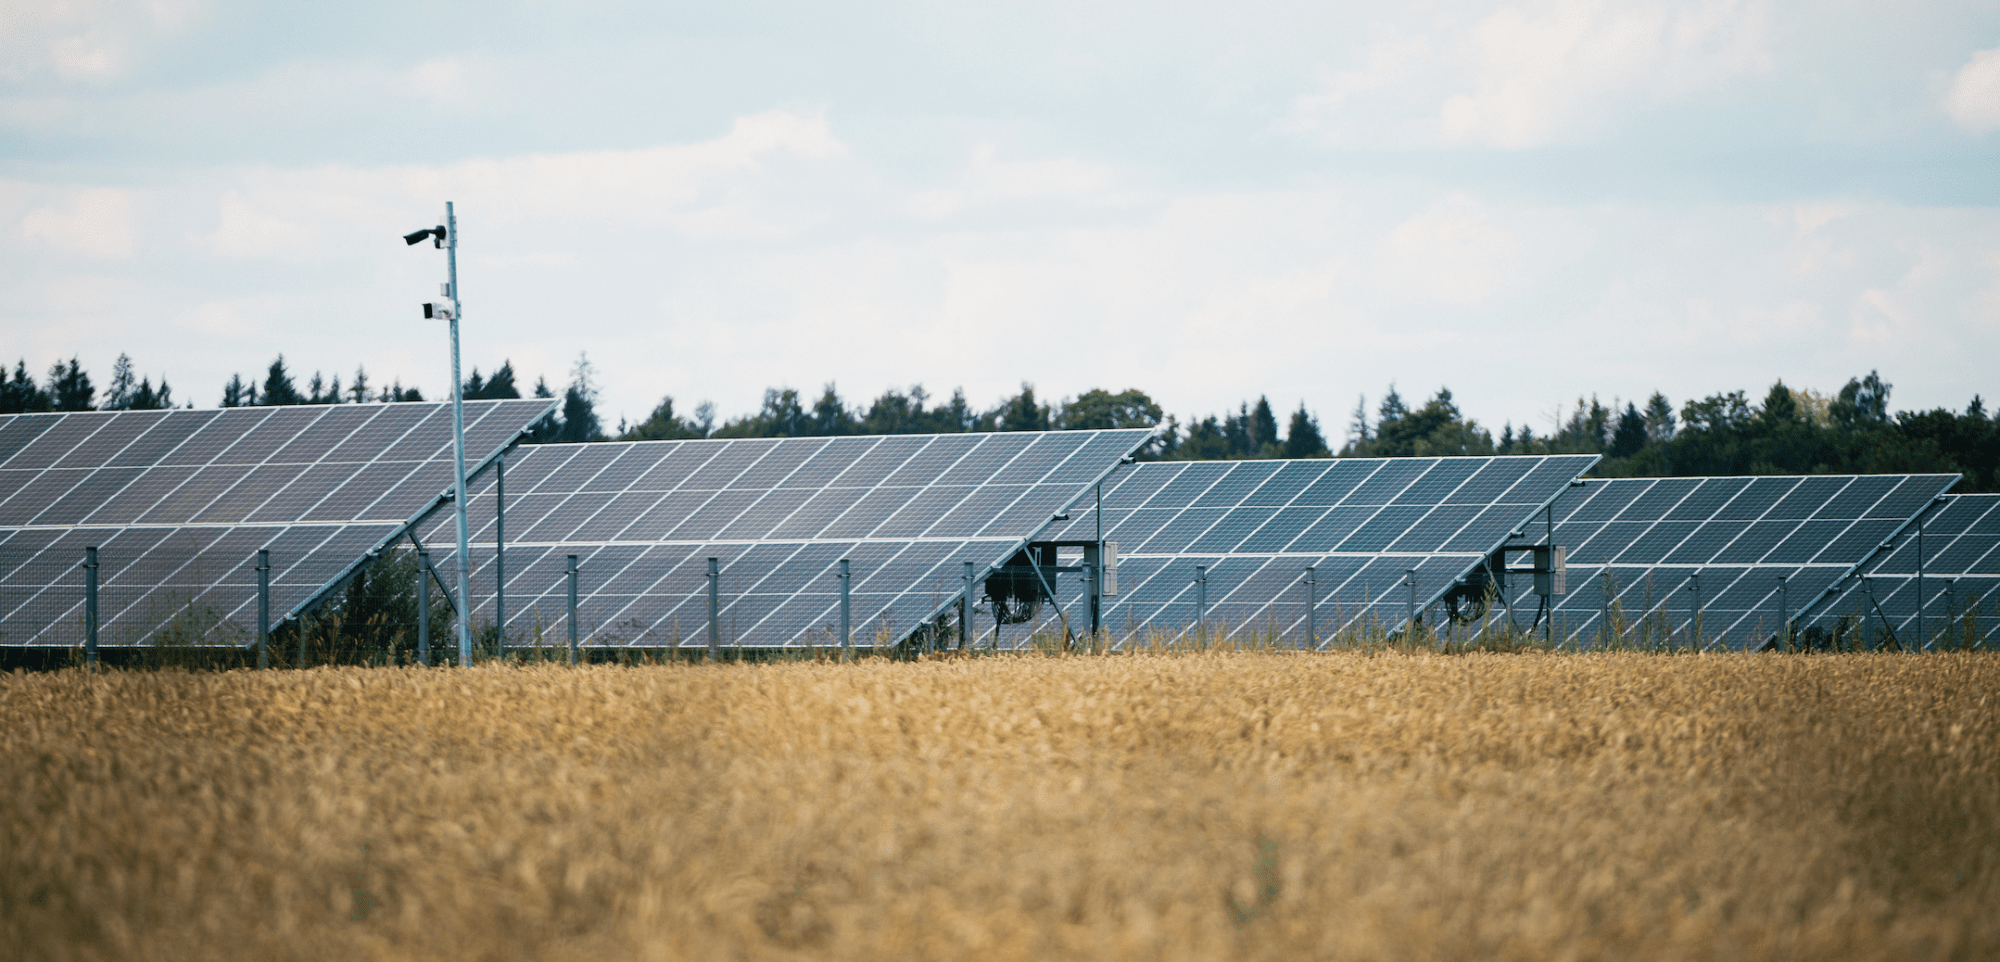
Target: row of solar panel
[[1383, 535]]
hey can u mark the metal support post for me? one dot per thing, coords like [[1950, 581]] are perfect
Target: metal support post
[[1694, 612], [1312, 608], [263, 608], [572, 609], [1923, 640], [1410, 613], [714, 607], [424, 577], [846, 630], [500, 555], [1201, 601], [1867, 612], [1604, 614], [90, 607], [1784, 613], [965, 610]]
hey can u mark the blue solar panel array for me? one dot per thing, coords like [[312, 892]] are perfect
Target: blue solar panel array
[[1949, 558], [778, 514], [1363, 524], [1699, 562], [179, 502]]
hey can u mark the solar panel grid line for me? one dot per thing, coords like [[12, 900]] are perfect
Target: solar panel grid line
[[48, 470]]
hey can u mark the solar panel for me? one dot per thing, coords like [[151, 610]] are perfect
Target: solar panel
[[1699, 561], [1955, 546], [778, 515], [1253, 527], [179, 502]]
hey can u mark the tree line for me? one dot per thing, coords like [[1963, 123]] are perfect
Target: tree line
[[1790, 431]]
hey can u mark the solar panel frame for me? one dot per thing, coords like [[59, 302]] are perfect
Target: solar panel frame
[[1876, 604], [178, 502], [769, 509], [1651, 534], [1319, 510]]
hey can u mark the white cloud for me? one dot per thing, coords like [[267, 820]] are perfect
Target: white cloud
[[774, 255], [98, 223], [85, 40], [1974, 99], [1531, 73]]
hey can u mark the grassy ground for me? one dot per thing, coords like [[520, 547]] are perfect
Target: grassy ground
[[1220, 805]]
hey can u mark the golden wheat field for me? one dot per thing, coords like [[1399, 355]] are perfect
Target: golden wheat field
[[1195, 806]]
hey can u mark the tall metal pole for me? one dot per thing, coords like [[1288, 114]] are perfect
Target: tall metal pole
[[1312, 608], [714, 597], [846, 630], [572, 609], [263, 608], [500, 556], [423, 607], [90, 607], [965, 611], [464, 601]]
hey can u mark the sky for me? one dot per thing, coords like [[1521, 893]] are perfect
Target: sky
[[1526, 202]]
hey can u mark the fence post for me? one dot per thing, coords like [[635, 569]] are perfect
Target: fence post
[[572, 609], [423, 607], [846, 628], [263, 608], [1312, 608], [714, 598], [90, 607], [1867, 614], [1201, 603]]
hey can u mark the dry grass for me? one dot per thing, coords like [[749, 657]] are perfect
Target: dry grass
[[1229, 805]]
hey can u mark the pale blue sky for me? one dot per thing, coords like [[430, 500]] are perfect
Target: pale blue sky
[[1524, 201]]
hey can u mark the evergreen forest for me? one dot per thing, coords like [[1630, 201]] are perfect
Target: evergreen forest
[[1785, 431]]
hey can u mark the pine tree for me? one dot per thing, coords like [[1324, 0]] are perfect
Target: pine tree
[[579, 408], [19, 394], [69, 387], [1263, 429], [278, 386], [1358, 432], [118, 396], [237, 394], [1631, 433], [1303, 440], [358, 393], [1392, 409], [1660, 423]]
